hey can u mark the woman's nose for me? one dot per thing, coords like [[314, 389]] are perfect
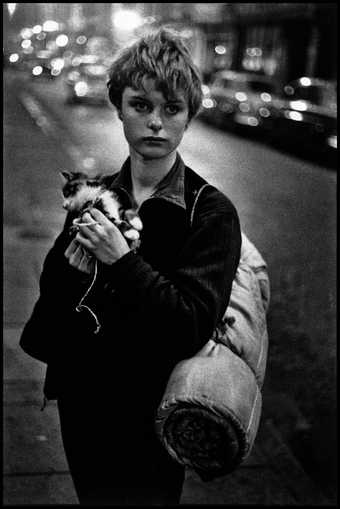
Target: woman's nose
[[155, 123]]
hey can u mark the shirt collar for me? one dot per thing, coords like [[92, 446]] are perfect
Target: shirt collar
[[170, 188]]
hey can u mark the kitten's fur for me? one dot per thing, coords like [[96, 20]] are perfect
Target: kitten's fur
[[82, 192]]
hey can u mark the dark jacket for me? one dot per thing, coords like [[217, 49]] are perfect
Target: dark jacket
[[155, 307]]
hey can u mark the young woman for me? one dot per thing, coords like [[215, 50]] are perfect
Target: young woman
[[156, 306]]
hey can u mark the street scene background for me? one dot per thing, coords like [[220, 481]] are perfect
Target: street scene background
[[57, 118]]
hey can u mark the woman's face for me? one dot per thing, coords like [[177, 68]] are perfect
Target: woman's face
[[153, 125]]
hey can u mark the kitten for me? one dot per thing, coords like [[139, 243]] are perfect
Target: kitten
[[82, 192]]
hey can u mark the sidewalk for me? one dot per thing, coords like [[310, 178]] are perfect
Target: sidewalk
[[35, 468]]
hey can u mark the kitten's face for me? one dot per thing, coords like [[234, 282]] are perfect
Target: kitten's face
[[78, 189]]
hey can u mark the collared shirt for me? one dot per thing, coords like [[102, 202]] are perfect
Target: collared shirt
[[171, 186]]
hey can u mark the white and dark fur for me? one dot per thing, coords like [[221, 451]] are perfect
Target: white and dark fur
[[82, 192]]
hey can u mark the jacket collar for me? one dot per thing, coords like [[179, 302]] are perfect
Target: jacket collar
[[170, 188]]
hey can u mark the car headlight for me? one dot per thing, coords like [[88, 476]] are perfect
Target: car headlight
[[208, 103], [293, 115], [37, 70]]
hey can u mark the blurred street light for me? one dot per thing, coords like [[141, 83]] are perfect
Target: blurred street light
[[127, 20], [14, 57], [61, 40], [11, 9], [37, 29], [50, 26], [26, 43], [26, 33]]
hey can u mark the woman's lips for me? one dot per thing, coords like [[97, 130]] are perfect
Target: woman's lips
[[153, 139]]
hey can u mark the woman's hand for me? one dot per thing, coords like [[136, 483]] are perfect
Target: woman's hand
[[102, 238], [79, 258]]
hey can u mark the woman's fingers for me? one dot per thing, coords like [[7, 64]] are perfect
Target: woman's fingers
[[132, 218], [87, 262], [71, 248], [131, 234]]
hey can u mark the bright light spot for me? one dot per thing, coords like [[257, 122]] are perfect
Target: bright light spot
[[305, 82], [41, 438], [57, 63], [55, 72], [254, 52], [50, 26], [266, 97], [253, 121], [241, 96], [81, 88], [26, 43], [14, 57], [73, 76], [220, 50], [61, 40], [37, 70], [89, 163], [244, 107], [37, 29], [127, 20], [81, 39], [205, 89], [208, 103], [294, 115], [11, 8], [264, 112], [332, 141], [298, 105], [26, 33]]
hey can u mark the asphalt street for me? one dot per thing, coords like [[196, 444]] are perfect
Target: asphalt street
[[286, 206]]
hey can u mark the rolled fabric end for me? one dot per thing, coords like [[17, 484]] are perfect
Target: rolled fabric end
[[210, 412]]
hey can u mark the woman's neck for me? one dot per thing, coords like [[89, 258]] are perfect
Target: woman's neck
[[147, 173]]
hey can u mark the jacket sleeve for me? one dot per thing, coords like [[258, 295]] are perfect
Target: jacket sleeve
[[60, 286], [191, 299]]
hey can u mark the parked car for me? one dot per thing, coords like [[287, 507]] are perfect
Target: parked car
[[238, 99], [306, 116], [86, 81]]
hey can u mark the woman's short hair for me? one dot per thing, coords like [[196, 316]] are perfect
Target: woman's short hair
[[161, 55]]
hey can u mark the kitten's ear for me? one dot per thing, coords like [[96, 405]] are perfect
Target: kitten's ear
[[65, 175]]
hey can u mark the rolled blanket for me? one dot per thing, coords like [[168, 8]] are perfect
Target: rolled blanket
[[210, 411]]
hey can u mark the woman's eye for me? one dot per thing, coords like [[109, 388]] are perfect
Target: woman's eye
[[171, 109], [141, 107]]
